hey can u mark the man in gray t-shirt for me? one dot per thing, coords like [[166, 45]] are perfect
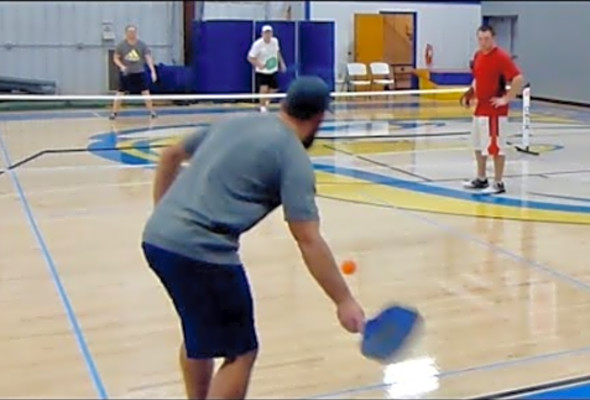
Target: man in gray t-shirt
[[239, 171], [131, 56]]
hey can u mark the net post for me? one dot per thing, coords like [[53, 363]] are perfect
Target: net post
[[524, 147]]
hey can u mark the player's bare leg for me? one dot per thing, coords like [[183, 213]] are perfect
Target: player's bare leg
[[232, 379], [499, 163], [149, 104], [197, 375], [117, 104], [264, 89], [480, 181], [497, 187], [270, 91], [481, 161]]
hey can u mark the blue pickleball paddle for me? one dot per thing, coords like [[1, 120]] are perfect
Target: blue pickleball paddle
[[386, 335]]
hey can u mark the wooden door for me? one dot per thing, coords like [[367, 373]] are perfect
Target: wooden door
[[399, 36], [368, 38]]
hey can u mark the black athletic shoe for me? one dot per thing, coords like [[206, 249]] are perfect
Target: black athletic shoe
[[476, 183], [496, 188]]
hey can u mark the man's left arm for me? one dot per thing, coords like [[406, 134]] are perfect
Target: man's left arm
[[516, 79], [282, 64], [150, 62]]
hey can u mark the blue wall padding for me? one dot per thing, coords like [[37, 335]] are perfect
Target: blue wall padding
[[171, 79], [316, 50], [451, 78], [285, 32], [220, 50]]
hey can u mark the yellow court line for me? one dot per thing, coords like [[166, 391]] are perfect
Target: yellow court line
[[345, 188]]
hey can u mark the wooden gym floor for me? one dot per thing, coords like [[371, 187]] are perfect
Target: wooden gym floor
[[503, 282]]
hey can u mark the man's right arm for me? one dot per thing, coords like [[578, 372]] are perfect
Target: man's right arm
[[319, 259], [252, 56], [298, 198], [468, 95], [117, 59]]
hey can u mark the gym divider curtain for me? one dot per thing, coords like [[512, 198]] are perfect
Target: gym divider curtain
[[316, 50], [220, 51]]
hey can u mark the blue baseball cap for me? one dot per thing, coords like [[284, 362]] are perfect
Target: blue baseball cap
[[308, 96]]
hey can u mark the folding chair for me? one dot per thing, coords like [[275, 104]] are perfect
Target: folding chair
[[381, 75], [357, 76]]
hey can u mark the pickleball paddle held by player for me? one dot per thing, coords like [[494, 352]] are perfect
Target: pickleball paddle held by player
[[387, 335]]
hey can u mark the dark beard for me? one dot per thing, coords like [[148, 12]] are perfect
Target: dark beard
[[308, 141]]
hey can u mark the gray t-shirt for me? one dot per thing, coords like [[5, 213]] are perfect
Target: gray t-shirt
[[240, 170], [133, 56]]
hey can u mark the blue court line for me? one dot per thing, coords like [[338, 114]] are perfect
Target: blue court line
[[433, 190], [94, 375], [573, 388], [463, 371], [579, 391]]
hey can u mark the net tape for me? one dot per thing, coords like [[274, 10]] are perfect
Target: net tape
[[205, 97]]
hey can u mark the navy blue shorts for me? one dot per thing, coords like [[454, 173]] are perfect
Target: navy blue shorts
[[213, 302], [133, 83]]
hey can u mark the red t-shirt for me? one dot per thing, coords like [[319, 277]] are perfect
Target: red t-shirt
[[492, 71]]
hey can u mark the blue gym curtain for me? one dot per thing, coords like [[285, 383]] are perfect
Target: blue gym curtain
[[285, 32], [220, 50], [316, 50]]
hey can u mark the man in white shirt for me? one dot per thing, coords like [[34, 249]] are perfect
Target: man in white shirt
[[265, 56]]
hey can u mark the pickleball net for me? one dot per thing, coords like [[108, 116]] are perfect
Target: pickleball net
[[357, 115]]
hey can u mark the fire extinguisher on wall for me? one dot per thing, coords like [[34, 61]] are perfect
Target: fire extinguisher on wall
[[429, 55]]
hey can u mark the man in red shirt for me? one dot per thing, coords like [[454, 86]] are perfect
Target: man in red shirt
[[493, 68]]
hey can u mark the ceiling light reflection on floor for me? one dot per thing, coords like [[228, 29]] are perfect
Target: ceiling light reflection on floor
[[411, 378]]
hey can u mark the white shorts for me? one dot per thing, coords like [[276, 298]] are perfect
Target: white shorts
[[488, 135]]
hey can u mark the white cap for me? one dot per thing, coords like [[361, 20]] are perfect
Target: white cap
[[266, 28]]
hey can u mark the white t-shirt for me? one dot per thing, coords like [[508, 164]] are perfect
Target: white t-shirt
[[267, 54]]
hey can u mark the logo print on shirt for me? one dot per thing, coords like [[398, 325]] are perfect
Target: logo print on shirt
[[132, 56]]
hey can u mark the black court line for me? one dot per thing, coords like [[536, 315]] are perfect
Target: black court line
[[41, 153], [378, 163], [545, 175], [529, 390], [561, 197], [394, 136], [561, 102], [572, 127]]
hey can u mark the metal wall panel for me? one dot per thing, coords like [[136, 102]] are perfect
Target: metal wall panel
[[62, 41], [550, 44], [254, 10]]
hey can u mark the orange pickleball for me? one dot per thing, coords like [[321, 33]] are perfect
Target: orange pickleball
[[348, 267]]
